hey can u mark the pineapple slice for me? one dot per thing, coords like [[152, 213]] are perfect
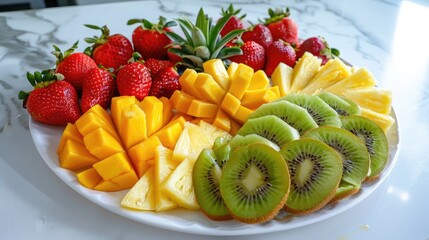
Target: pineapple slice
[[305, 70], [164, 166], [179, 186], [360, 78], [333, 71], [376, 99], [383, 120], [282, 77], [142, 195]]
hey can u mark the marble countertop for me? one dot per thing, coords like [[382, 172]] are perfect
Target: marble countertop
[[386, 36]]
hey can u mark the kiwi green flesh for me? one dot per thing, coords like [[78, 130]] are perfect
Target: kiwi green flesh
[[374, 138], [240, 141], [270, 127], [206, 176], [292, 114], [255, 183], [345, 190], [219, 141], [315, 170], [222, 154], [319, 110], [352, 150], [343, 106]]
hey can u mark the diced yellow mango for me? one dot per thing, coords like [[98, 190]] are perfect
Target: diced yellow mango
[[102, 144], [70, 132], [152, 107], [259, 81], [167, 110], [169, 134], [90, 121], [282, 77], [75, 156], [230, 104], [208, 88], [187, 80], [242, 114], [222, 120], [254, 98], [125, 180], [88, 178], [232, 69], [199, 108], [182, 115], [113, 166], [133, 129], [116, 106], [142, 152], [241, 80], [100, 111], [181, 101], [198, 120], [216, 68], [235, 126], [107, 186]]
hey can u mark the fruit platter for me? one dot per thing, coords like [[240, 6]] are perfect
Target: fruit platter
[[214, 126]]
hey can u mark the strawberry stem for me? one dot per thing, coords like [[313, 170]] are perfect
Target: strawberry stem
[[61, 56]]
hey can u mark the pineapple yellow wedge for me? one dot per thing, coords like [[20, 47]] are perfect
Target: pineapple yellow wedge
[[360, 78], [375, 99], [305, 69], [330, 73], [141, 196], [163, 167], [179, 186], [282, 77], [383, 120]]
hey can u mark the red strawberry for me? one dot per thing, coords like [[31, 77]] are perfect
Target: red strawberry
[[282, 26], [109, 51], [278, 52], [318, 47], [98, 88], [52, 101], [134, 79], [253, 55], [260, 34], [235, 22], [154, 65], [73, 66], [150, 39], [164, 84]]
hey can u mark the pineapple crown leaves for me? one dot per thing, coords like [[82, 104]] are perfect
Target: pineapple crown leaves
[[40, 80], [60, 55], [276, 15], [96, 40], [234, 12], [203, 41], [162, 23]]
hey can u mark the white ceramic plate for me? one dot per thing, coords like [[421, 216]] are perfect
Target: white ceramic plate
[[46, 139]]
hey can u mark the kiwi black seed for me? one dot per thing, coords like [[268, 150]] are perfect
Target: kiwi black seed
[[292, 114], [342, 105], [315, 171], [255, 183], [319, 110], [240, 141], [206, 176], [270, 127], [355, 157], [375, 141]]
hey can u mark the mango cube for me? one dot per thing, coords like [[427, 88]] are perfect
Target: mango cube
[[208, 88], [169, 134], [133, 129], [89, 178], [113, 166], [75, 156], [107, 186], [90, 121], [230, 104], [119, 103], [142, 152], [241, 80], [167, 110], [222, 120], [232, 69], [102, 144], [242, 114], [254, 98], [181, 101], [199, 108], [187, 80], [216, 68], [259, 81], [152, 107], [125, 180], [70, 132]]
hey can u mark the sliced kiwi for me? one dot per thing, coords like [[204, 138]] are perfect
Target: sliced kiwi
[[271, 128], [319, 110], [292, 114], [240, 141], [341, 105], [375, 141], [255, 183], [352, 150], [206, 176], [315, 172], [220, 141]]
